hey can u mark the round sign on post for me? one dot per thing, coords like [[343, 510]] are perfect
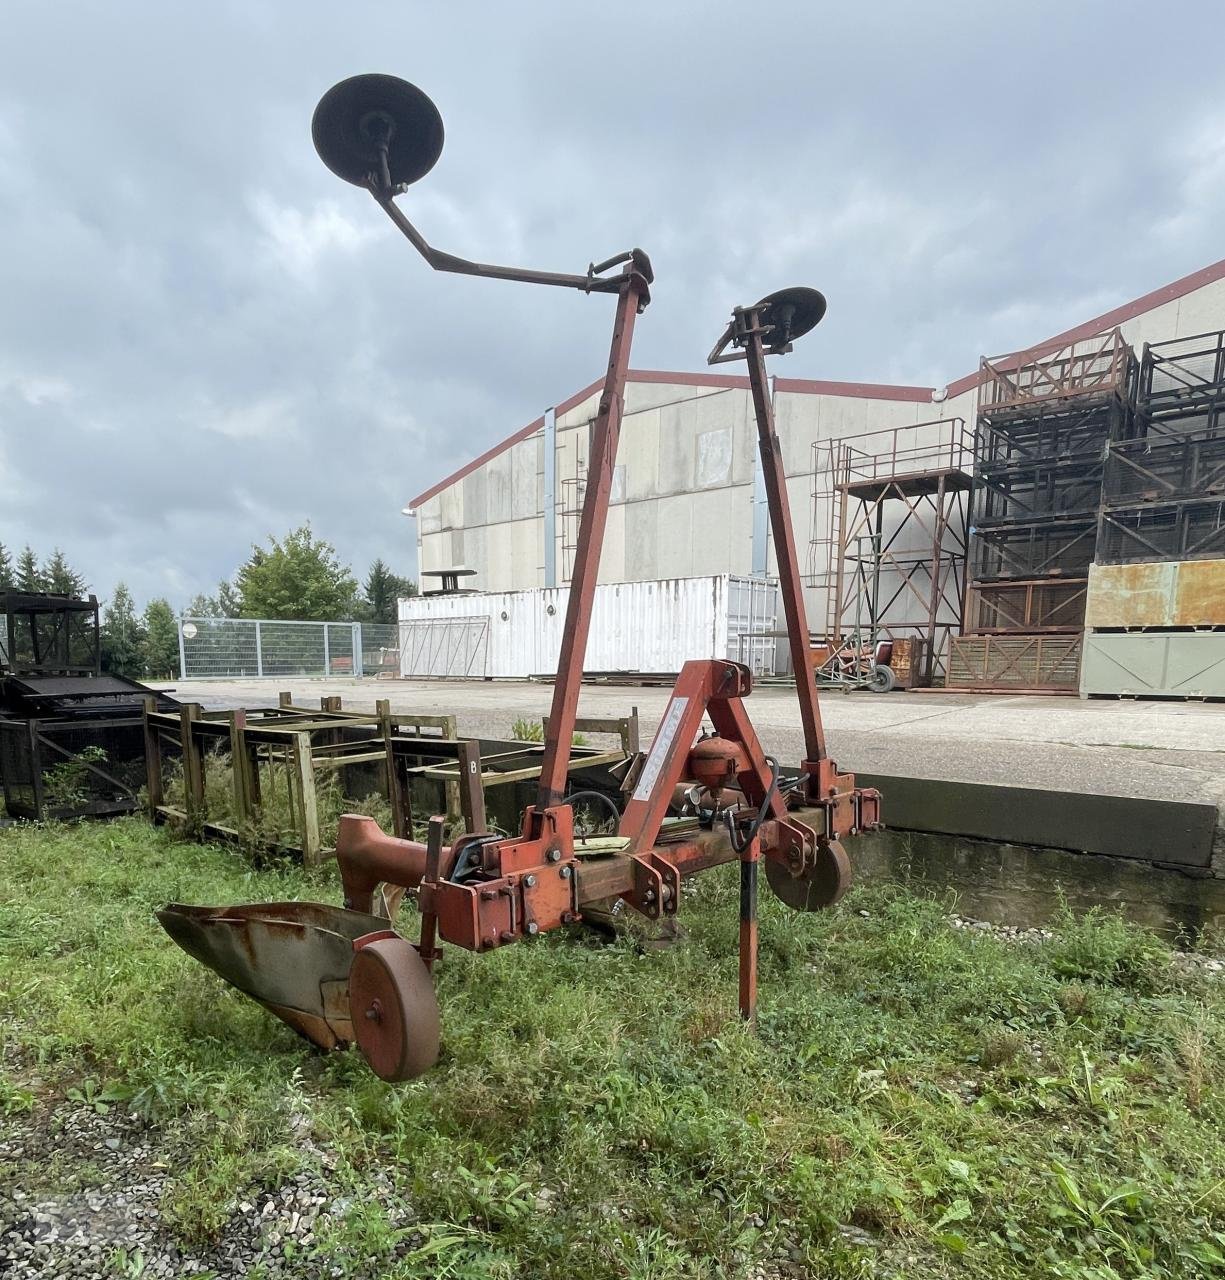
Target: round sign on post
[[190, 631]]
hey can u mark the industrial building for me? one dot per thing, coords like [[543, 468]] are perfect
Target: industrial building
[[971, 518]]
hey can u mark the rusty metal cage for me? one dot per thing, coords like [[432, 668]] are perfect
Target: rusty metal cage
[[1098, 367], [1035, 605], [1165, 467], [46, 634], [1053, 547], [1060, 486], [1046, 420], [71, 741], [1180, 530], [71, 768], [1041, 663], [1183, 378]]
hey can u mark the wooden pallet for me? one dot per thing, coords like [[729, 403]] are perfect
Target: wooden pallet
[[1039, 663]]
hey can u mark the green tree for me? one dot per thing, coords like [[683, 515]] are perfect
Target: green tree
[[29, 576], [298, 576], [123, 637], [201, 606], [161, 647], [225, 604], [229, 600], [382, 590], [8, 581], [60, 577]]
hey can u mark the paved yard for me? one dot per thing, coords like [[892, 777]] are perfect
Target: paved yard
[[1154, 749]]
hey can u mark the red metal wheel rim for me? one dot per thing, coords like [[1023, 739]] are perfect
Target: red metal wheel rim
[[819, 887], [394, 1009]]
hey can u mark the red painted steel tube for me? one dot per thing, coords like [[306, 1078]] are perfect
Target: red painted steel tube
[[603, 456], [368, 857], [784, 547]]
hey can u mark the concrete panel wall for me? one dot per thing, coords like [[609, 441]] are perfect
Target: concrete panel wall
[[683, 499]]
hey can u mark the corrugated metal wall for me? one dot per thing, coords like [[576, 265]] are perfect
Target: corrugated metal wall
[[635, 626]]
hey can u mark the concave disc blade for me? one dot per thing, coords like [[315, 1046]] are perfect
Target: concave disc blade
[[819, 887], [343, 131], [799, 309], [394, 1009]]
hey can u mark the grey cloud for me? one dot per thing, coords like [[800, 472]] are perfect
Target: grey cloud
[[204, 337]]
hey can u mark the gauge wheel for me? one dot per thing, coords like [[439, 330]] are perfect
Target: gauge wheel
[[818, 887], [394, 1009]]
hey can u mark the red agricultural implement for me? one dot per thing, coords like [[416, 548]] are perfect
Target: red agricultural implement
[[347, 975]]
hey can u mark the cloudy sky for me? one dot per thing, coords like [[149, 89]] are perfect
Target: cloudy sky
[[205, 337]]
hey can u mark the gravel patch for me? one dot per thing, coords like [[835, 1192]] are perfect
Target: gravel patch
[[113, 1228]]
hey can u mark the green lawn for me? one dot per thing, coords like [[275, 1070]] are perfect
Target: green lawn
[[919, 1100]]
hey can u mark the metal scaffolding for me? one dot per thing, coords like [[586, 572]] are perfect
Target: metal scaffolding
[[895, 551]]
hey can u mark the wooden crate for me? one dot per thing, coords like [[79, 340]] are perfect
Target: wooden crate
[[1043, 663]]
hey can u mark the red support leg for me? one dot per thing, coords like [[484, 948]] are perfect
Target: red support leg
[[781, 528], [603, 457]]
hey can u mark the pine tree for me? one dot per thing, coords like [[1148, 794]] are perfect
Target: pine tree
[[225, 604], [8, 581], [383, 590], [60, 577], [122, 635], [201, 606], [161, 648], [229, 602], [29, 576]]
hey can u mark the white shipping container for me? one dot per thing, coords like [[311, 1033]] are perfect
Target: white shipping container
[[635, 626]]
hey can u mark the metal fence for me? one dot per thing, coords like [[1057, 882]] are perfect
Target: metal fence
[[238, 648]]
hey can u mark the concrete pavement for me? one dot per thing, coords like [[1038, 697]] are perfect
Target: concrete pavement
[[1160, 750]]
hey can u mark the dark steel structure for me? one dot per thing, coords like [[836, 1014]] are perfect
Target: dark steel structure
[[45, 634], [1045, 421], [1164, 490], [71, 738]]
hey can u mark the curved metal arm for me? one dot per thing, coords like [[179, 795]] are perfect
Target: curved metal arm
[[632, 262]]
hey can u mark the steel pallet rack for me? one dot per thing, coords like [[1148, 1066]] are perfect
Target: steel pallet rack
[[1045, 418], [1164, 491]]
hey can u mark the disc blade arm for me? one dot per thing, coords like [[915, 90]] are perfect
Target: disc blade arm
[[632, 262]]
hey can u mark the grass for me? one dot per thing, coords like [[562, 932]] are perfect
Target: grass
[[523, 730], [919, 1100], [276, 824]]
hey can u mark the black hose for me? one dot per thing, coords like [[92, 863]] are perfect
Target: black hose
[[741, 843], [607, 801]]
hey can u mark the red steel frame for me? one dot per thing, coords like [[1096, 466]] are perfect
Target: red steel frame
[[520, 886]]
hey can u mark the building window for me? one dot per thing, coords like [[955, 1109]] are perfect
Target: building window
[[617, 492]]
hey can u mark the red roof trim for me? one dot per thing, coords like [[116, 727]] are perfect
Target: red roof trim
[[578, 397], [1130, 310], [962, 384], [1112, 319], [860, 390], [727, 381], [469, 468]]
